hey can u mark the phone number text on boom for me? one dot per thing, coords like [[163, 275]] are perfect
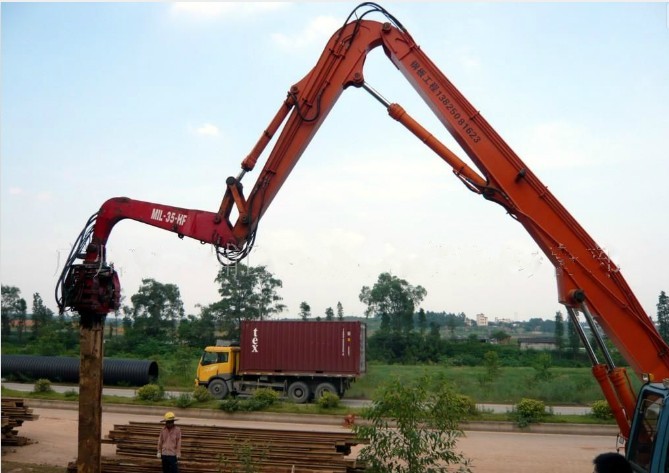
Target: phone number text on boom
[[450, 106], [168, 217]]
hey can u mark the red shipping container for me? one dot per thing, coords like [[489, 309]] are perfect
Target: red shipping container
[[302, 347]]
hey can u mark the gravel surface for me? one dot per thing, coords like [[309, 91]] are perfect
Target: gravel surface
[[54, 437]]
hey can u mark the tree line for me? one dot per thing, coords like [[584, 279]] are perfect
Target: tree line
[[154, 321]]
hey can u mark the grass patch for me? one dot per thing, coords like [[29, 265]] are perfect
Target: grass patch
[[14, 467]]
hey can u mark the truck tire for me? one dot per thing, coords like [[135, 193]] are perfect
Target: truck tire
[[218, 389], [325, 388], [298, 392]]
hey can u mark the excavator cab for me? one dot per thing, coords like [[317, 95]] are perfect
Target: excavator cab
[[648, 445]]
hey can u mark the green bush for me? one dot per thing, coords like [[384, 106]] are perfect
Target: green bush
[[601, 410], [261, 399], [71, 393], [229, 405], [150, 392], [328, 400], [184, 400], [266, 395], [201, 394], [467, 405], [528, 411], [42, 386]]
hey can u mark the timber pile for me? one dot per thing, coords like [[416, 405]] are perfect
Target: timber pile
[[214, 449], [14, 413]]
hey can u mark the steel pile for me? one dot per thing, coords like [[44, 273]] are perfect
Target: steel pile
[[14, 413], [217, 449]]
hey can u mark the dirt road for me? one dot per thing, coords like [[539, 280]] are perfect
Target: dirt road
[[55, 442]]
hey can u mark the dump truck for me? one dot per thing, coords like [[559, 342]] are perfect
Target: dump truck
[[301, 359]]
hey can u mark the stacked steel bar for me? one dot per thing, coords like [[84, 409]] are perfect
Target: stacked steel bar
[[209, 448], [14, 413]]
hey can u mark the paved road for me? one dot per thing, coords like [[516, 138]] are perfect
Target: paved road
[[357, 403], [491, 452]]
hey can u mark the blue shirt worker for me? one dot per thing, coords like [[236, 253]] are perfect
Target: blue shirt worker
[[169, 444]]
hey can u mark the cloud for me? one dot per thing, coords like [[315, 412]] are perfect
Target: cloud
[[208, 130], [468, 60], [43, 196], [15, 191], [226, 10], [317, 31], [557, 145]]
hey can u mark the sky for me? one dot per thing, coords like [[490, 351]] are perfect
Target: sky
[[161, 102]]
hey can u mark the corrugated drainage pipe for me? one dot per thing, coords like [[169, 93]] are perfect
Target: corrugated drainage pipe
[[116, 371]]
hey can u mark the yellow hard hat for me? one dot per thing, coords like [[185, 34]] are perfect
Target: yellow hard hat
[[169, 417]]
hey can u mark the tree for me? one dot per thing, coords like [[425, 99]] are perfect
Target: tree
[[329, 314], [156, 310], [574, 340], [247, 293], [559, 331], [500, 336], [340, 311], [422, 322], [413, 428], [269, 301], [663, 316], [42, 315], [305, 310], [492, 366], [394, 301], [13, 306], [451, 324], [198, 331]]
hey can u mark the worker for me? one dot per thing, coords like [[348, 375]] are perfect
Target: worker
[[611, 462], [169, 444]]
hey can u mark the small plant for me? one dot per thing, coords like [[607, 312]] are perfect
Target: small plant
[[150, 392], [601, 410], [71, 393], [42, 386], [528, 411], [201, 394], [542, 365], [261, 399], [229, 405], [266, 396], [328, 400], [466, 405], [184, 400]]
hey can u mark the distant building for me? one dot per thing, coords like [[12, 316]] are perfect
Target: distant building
[[537, 343], [481, 320], [503, 321]]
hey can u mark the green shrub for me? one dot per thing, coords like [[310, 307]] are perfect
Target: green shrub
[[467, 405], [528, 411], [150, 392], [71, 393], [42, 386], [229, 404], [266, 395], [184, 400], [254, 403], [601, 410], [201, 394], [328, 400]]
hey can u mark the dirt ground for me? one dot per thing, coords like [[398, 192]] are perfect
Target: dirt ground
[[54, 442]]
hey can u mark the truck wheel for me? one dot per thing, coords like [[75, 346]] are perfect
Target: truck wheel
[[218, 389], [298, 392], [325, 388]]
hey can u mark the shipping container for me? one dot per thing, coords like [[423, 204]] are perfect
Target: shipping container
[[303, 347]]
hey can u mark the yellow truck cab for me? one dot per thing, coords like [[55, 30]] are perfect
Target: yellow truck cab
[[217, 367]]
